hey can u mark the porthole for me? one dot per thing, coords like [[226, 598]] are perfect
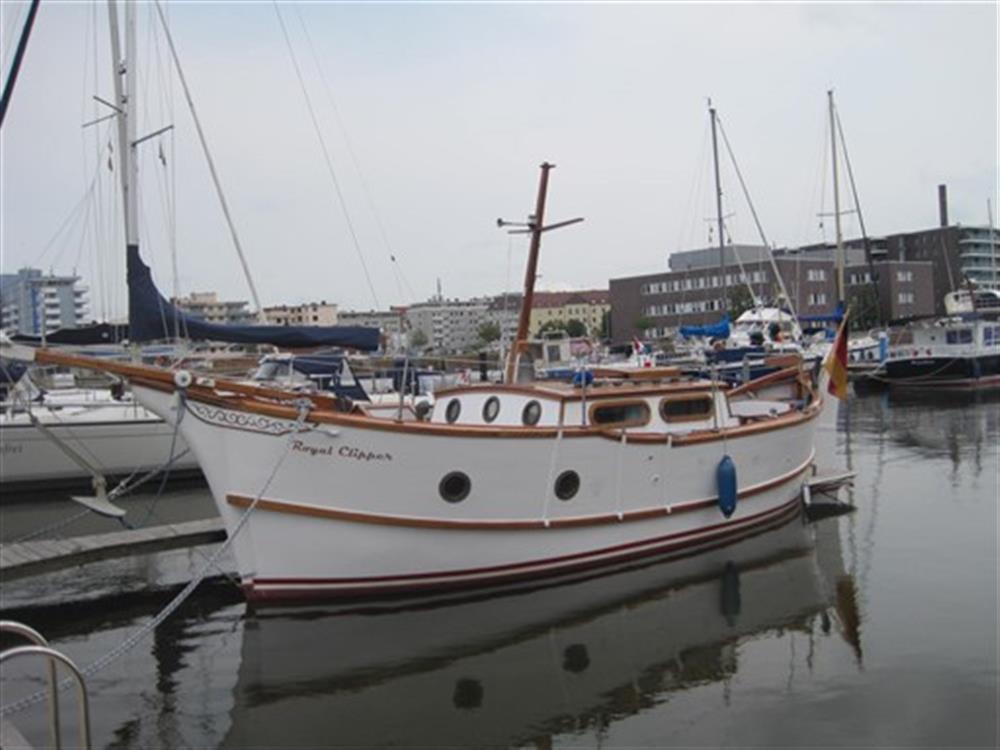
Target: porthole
[[624, 414], [567, 485], [686, 408], [491, 408], [531, 413], [455, 487], [453, 410]]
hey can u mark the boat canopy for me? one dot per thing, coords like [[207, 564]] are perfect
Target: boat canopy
[[835, 317], [151, 317], [718, 331], [98, 333]]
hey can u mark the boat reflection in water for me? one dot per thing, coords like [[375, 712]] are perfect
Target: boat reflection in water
[[520, 667]]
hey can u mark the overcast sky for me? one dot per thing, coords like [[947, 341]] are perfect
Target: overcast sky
[[445, 113]]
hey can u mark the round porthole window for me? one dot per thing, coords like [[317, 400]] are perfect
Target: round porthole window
[[567, 485], [491, 408], [453, 410], [455, 486], [531, 413]]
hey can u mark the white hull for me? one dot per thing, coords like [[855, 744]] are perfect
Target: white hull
[[115, 438], [355, 509], [546, 661]]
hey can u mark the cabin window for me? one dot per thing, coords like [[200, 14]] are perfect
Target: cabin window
[[622, 414], [685, 409], [991, 335], [531, 413], [455, 487], [491, 408], [961, 336], [453, 410], [567, 485]]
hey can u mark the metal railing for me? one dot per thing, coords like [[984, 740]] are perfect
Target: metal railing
[[41, 647]]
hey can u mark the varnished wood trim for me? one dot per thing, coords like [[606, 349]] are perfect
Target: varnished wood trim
[[705, 397], [275, 403], [381, 519]]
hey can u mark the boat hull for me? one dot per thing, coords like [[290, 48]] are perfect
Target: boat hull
[[965, 372], [356, 510], [114, 439]]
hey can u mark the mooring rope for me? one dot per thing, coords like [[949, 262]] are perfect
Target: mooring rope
[[130, 642]]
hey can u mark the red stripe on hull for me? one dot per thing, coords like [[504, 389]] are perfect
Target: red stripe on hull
[[285, 589]]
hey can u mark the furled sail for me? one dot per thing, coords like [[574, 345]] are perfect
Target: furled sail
[[152, 317]]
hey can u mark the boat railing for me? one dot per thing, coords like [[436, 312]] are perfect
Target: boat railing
[[40, 647]]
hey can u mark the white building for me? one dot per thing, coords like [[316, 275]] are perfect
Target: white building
[[310, 314], [31, 301]]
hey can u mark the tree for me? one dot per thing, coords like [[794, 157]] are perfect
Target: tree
[[740, 300], [862, 301], [576, 328], [606, 325], [418, 339], [642, 324], [489, 332], [551, 326]]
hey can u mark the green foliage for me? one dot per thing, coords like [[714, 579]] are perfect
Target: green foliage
[[551, 326], [862, 302], [642, 323], [576, 328], [606, 325], [418, 338], [740, 300], [489, 332]]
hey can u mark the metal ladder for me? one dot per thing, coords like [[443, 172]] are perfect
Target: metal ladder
[[40, 647]]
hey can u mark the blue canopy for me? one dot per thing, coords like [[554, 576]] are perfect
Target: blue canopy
[[835, 317], [718, 331], [151, 317]]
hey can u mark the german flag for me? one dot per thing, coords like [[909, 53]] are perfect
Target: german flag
[[836, 363]]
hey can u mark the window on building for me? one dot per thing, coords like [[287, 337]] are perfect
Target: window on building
[[904, 275], [817, 299], [905, 298], [816, 274]]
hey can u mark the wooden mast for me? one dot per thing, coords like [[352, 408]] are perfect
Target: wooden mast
[[535, 226]]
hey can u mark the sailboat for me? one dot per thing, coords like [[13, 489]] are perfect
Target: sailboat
[[324, 496]]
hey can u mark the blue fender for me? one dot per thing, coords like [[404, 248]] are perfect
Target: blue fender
[[725, 478]]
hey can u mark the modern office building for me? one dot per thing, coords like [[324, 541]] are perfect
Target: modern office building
[[32, 301]]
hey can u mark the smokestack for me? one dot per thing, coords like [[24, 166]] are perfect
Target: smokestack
[[943, 204]]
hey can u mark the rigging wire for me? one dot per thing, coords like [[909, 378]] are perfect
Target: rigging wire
[[394, 263], [326, 154]]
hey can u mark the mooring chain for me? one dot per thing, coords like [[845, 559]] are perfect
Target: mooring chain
[[304, 406]]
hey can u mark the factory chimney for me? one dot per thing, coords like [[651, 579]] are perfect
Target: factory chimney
[[943, 204]]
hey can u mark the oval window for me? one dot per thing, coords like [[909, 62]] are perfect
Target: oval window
[[567, 485], [455, 486], [454, 409], [491, 408], [531, 413]]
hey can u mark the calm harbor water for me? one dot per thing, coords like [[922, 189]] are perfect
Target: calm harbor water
[[876, 628]]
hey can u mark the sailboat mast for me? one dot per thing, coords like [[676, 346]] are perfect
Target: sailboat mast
[[124, 84], [718, 213], [536, 225], [836, 202]]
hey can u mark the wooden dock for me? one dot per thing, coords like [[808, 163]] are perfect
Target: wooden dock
[[43, 555]]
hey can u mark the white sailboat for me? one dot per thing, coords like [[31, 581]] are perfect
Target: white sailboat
[[326, 497]]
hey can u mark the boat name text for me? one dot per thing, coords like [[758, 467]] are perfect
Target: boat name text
[[345, 451]]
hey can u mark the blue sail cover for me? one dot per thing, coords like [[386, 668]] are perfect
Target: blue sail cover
[[151, 317], [835, 317], [718, 331]]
